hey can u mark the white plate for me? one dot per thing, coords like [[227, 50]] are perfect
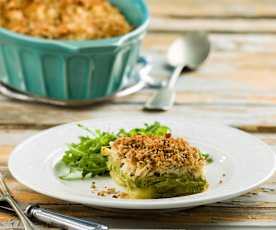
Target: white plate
[[245, 161]]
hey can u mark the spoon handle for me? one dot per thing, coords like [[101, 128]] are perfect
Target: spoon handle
[[175, 76], [164, 98]]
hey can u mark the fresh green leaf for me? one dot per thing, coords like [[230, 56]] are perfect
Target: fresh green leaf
[[207, 157], [86, 156]]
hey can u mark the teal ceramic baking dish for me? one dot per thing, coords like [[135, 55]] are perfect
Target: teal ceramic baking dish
[[68, 70]]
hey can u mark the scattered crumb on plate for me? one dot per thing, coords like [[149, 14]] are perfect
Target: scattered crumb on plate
[[108, 191]]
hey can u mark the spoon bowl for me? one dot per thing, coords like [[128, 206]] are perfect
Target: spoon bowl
[[191, 50]]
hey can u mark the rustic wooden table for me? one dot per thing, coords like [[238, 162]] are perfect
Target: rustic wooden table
[[236, 86]]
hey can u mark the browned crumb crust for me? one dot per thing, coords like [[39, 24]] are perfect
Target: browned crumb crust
[[157, 154], [63, 19]]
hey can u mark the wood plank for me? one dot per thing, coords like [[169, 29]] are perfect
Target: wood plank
[[211, 216], [14, 137], [155, 221], [47, 115], [252, 43], [179, 25], [252, 118], [214, 8]]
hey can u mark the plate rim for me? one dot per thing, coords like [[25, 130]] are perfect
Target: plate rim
[[136, 204]]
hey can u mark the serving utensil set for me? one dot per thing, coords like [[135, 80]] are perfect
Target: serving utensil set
[[42, 215]]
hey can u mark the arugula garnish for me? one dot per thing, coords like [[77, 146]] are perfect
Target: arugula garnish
[[86, 156], [207, 157]]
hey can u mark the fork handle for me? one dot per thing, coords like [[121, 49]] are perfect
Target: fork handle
[[24, 219]]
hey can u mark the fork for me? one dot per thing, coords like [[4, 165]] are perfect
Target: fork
[[6, 195]]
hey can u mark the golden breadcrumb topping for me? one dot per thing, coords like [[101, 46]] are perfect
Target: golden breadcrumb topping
[[63, 19], [144, 155]]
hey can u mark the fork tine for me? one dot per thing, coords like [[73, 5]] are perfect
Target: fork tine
[[3, 186], [8, 197]]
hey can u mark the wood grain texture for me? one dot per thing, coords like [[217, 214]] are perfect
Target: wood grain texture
[[250, 43], [217, 25], [239, 16], [250, 117], [236, 86], [214, 8]]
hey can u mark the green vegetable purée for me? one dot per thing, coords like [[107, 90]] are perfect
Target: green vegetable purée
[[156, 186]]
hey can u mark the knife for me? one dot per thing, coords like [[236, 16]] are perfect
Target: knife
[[56, 219]]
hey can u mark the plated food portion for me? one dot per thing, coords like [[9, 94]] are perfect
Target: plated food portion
[[157, 167], [148, 162], [64, 19], [88, 164]]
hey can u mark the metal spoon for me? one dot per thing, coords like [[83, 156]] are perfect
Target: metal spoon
[[189, 51]]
